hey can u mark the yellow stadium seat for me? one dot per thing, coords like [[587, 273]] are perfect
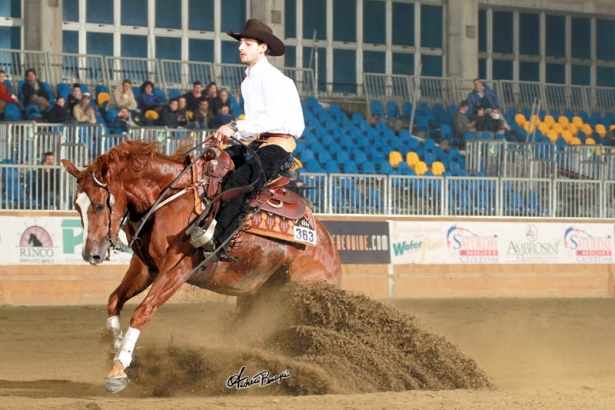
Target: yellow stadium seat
[[557, 127], [102, 97], [520, 119], [151, 115], [412, 158], [395, 158], [438, 168], [543, 127], [587, 129], [601, 130], [563, 120], [577, 121], [612, 127], [567, 135], [552, 134], [420, 168], [298, 163], [549, 119], [590, 141], [572, 128], [574, 141]]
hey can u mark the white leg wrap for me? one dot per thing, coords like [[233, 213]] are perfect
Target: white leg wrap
[[113, 325], [128, 346]]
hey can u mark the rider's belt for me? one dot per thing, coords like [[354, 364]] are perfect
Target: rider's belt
[[285, 141]]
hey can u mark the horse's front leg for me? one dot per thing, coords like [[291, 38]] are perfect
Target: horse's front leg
[[171, 277], [135, 281]]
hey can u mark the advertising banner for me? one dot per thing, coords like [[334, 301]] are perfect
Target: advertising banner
[[361, 242], [501, 242], [46, 240]]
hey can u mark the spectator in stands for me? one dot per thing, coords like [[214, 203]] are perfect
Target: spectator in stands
[[169, 115], [194, 97], [46, 188], [148, 100], [60, 113], [212, 90], [184, 116], [123, 96], [461, 122], [6, 97], [483, 96], [221, 101], [483, 121], [84, 111], [222, 118], [75, 97], [127, 119], [34, 92], [202, 115]]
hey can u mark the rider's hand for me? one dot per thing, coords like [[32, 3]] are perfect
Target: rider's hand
[[223, 133]]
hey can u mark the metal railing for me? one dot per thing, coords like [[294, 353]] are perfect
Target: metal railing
[[16, 62], [182, 74], [137, 70], [346, 194], [304, 80], [76, 68], [230, 76], [539, 160], [435, 90], [387, 87]]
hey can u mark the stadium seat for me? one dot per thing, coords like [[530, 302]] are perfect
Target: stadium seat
[[395, 158], [12, 113], [376, 108], [393, 110]]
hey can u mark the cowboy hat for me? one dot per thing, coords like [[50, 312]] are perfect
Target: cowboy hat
[[258, 30]]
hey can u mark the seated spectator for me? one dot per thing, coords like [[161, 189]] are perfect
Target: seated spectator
[[84, 111], [169, 115], [482, 121], [148, 100], [221, 101], [222, 118], [201, 117], [59, 113], [184, 116], [123, 96], [34, 92], [46, 188], [483, 96], [212, 90], [126, 119], [194, 97], [75, 97], [6, 97], [461, 122]]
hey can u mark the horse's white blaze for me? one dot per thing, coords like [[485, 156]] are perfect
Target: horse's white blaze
[[83, 201]]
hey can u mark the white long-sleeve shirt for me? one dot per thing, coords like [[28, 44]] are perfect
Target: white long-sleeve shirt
[[271, 103]]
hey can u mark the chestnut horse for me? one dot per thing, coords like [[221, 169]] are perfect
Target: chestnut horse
[[129, 178]]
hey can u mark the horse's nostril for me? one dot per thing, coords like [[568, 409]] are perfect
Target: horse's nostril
[[96, 258]]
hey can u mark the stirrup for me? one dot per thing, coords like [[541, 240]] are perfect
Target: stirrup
[[200, 238]]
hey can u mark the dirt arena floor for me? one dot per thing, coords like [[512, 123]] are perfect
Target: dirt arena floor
[[539, 354]]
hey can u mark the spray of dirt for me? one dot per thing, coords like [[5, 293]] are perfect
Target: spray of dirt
[[330, 342]]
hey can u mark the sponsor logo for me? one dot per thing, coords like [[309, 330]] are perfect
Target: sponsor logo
[[586, 248], [533, 250], [361, 242], [36, 246], [469, 247]]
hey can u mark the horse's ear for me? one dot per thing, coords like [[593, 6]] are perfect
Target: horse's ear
[[70, 168]]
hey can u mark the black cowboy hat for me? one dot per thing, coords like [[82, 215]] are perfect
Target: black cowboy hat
[[258, 30]]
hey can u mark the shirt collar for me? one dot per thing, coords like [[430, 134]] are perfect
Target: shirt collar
[[258, 67]]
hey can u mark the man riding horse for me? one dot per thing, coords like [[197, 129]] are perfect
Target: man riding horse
[[273, 120]]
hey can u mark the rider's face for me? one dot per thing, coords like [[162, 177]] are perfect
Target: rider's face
[[250, 51]]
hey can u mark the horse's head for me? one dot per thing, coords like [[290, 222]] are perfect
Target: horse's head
[[101, 203]]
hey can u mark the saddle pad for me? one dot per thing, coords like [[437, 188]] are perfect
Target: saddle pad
[[302, 230]]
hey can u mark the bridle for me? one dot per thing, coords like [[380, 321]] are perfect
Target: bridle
[[113, 239]]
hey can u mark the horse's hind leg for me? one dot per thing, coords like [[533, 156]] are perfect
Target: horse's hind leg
[[169, 280], [135, 281]]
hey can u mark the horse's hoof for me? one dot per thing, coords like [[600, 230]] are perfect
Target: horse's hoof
[[116, 385]]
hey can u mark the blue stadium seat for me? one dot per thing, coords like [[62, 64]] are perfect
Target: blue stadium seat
[[306, 155], [12, 113], [332, 167], [376, 108], [350, 167], [393, 110], [64, 90], [368, 167], [312, 165]]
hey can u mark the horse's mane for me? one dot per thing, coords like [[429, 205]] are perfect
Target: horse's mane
[[135, 155]]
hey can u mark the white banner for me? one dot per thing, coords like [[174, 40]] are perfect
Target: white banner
[[501, 242], [46, 240]]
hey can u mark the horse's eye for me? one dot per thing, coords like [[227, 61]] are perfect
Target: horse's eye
[[100, 207]]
